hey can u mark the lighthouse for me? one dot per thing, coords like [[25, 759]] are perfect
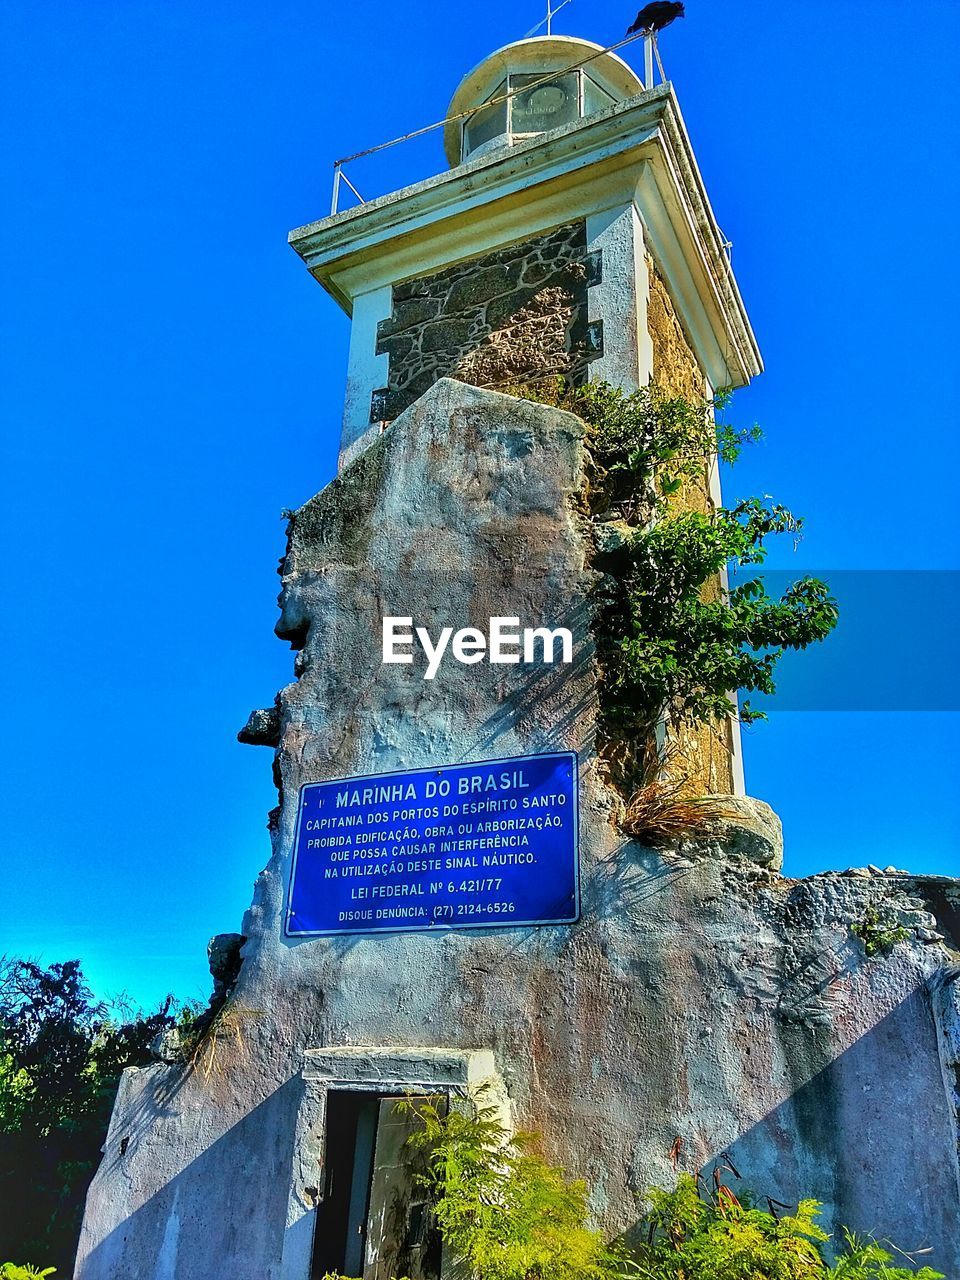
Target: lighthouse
[[450, 908], [571, 237], [572, 234]]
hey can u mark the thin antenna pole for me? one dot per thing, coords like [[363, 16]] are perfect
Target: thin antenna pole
[[648, 44], [548, 20]]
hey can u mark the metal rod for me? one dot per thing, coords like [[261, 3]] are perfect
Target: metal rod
[[544, 21], [648, 46], [354, 189], [656, 54], [338, 177]]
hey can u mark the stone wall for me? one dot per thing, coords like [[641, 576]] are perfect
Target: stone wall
[[703, 1008], [515, 316], [675, 366], [704, 754]]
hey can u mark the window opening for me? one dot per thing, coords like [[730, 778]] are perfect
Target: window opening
[[487, 123], [544, 106]]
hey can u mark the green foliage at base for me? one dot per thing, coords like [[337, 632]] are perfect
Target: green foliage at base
[[333, 1275], [9, 1271], [503, 1212], [506, 1214], [720, 1237], [691, 1235]]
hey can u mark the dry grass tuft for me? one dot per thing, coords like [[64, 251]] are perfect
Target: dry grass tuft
[[660, 813]]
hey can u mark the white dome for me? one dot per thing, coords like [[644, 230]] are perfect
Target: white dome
[[585, 83]]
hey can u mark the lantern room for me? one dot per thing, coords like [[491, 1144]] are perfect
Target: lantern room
[[530, 87]]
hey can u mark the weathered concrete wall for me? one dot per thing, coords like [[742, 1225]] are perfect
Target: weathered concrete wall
[[514, 316], [701, 997]]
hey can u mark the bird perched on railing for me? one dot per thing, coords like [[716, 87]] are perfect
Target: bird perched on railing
[[654, 17]]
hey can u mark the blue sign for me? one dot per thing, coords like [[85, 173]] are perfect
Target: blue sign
[[470, 846]]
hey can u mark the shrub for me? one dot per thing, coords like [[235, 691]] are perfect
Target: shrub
[[505, 1214], [675, 646], [693, 1235], [659, 812], [879, 931]]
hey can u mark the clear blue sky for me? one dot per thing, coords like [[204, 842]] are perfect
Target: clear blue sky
[[171, 378]]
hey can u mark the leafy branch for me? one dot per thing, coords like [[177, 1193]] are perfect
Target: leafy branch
[[503, 1212], [675, 644], [694, 1234]]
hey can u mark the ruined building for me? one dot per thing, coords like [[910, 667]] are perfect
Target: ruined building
[[639, 1009]]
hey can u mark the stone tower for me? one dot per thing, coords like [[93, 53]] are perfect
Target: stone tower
[[572, 236], [637, 1008]]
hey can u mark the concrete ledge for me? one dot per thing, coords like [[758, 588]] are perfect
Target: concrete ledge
[[359, 1066]]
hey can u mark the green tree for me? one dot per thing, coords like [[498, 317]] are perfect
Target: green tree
[[61, 1054]]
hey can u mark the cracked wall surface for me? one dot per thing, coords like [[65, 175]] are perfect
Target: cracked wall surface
[[703, 1004]]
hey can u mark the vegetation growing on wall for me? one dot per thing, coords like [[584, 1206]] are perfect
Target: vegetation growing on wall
[[673, 643], [693, 1234], [660, 812], [879, 931], [205, 1034]]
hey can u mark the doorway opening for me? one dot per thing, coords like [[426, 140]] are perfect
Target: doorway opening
[[374, 1220]]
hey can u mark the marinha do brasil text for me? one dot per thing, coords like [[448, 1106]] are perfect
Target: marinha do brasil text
[[471, 822]]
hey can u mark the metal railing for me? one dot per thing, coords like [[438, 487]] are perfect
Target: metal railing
[[651, 58]]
